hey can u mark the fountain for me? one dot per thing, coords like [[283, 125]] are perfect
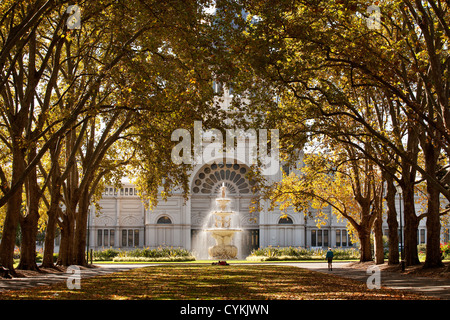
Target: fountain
[[222, 230]]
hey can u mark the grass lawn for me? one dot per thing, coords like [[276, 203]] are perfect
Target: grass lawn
[[213, 282], [210, 261]]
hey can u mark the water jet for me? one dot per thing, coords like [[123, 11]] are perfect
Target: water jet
[[222, 230]]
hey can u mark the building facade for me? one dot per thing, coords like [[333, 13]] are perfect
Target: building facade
[[124, 222]]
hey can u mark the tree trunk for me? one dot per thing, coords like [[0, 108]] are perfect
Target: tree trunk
[[13, 210], [9, 231], [365, 226], [29, 223], [378, 232], [28, 246], [365, 248], [433, 258], [81, 230], [392, 222], [71, 196], [54, 210], [378, 223], [408, 216], [49, 242], [65, 257], [411, 224]]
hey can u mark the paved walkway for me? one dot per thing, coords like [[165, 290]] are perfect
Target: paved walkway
[[439, 288], [51, 278], [435, 287]]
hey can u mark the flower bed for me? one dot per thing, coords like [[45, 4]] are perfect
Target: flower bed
[[445, 249]]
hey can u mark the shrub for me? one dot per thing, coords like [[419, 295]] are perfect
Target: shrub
[[420, 248], [291, 253], [146, 253], [105, 255], [345, 254], [273, 258], [16, 253], [40, 257], [156, 259]]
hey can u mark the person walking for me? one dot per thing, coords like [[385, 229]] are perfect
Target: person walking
[[329, 257]]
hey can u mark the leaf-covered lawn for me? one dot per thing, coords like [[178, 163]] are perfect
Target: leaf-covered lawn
[[213, 282]]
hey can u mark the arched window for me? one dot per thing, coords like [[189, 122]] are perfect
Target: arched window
[[164, 220], [210, 179], [285, 220]]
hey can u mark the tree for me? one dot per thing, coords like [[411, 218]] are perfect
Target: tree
[[318, 50], [90, 86], [158, 78], [23, 67], [340, 181]]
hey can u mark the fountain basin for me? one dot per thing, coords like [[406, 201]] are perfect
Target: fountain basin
[[223, 252], [223, 232], [221, 219], [222, 203], [223, 213], [223, 236], [223, 248]]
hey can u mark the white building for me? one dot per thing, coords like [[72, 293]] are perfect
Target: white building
[[125, 223]]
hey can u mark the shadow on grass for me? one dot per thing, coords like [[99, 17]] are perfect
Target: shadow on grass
[[213, 282]]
